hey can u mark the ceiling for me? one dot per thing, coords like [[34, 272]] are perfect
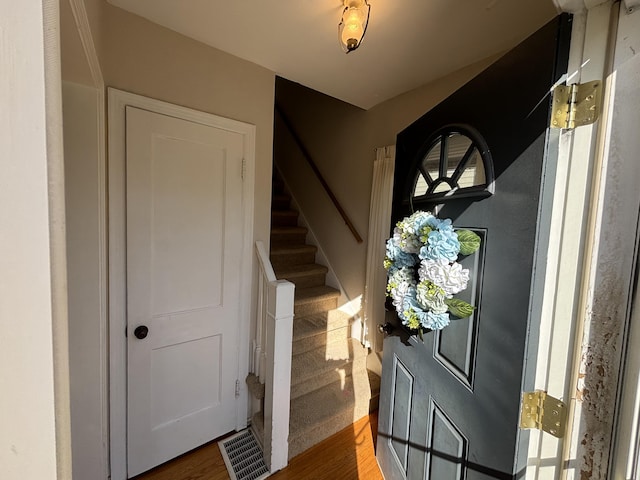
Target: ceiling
[[408, 42]]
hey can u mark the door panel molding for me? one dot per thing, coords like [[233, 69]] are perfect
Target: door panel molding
[[399, 413], [463, 367], [118, 100], [443, 458]]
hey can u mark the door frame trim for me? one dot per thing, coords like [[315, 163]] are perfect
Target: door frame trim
[[561, 312], [118, 100], [86, 39], [593, 267]]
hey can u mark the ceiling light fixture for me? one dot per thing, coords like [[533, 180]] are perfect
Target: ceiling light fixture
[[353, 24]]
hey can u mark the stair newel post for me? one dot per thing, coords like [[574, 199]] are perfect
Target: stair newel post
[[272, 359], [279, 337]]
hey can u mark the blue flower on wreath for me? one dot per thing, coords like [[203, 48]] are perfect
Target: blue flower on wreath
[[411, 311], [422, 220], [414, 316], [440, 224], [398, 258], [435, 321], [441, 244]]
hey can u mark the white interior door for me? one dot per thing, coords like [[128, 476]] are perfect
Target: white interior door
[[184, 243]]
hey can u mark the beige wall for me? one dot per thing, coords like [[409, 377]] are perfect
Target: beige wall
[[342, 139], [95, 15], [389, 118], [144, 58], [75, 67]]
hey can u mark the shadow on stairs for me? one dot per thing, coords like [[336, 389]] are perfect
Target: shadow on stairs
[[330, 385]]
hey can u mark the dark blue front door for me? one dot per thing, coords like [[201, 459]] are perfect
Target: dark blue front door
[[449, 406]]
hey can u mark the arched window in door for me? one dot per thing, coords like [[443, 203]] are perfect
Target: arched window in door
[[454, 162]]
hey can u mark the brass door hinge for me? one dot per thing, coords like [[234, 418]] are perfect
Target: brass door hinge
[[576, 105], [543, 412]]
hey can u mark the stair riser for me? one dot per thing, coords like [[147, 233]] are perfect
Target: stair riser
[[320, 323], [284, 220], [277, 186], [310, 308], [314, 280], [280, 202], [328, 364], [314, 434], [374, 403], [306, 344], [288, 238], [284, 260], [302, 387]]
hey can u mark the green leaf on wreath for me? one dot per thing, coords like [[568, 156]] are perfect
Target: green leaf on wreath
[[459, 308], [469, 241]]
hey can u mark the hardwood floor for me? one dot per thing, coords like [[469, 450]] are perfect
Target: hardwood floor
[[348, 455]]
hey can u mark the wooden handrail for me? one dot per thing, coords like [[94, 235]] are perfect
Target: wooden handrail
[[314, 167]]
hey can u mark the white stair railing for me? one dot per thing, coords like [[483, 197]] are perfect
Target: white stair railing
[[272, 358]]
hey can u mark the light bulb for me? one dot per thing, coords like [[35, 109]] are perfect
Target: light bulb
[[353, 24]]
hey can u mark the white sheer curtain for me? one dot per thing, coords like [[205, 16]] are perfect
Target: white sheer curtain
[[379, 225]]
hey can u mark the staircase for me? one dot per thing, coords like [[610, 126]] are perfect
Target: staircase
[[330, 386]]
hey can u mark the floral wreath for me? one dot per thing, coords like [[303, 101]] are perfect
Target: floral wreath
[[425, 300]]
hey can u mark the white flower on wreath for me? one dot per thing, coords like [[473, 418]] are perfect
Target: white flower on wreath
[[401, 283], [407, 241], [452, 278], [432, 296], [406, 234]]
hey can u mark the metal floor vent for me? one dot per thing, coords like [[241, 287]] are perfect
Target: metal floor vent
[[243, 457]]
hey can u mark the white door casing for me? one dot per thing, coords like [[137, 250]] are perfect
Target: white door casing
[[175, 281], [593, 235]]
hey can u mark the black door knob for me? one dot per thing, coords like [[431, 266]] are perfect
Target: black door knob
[[141, 332], [387, 328]]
